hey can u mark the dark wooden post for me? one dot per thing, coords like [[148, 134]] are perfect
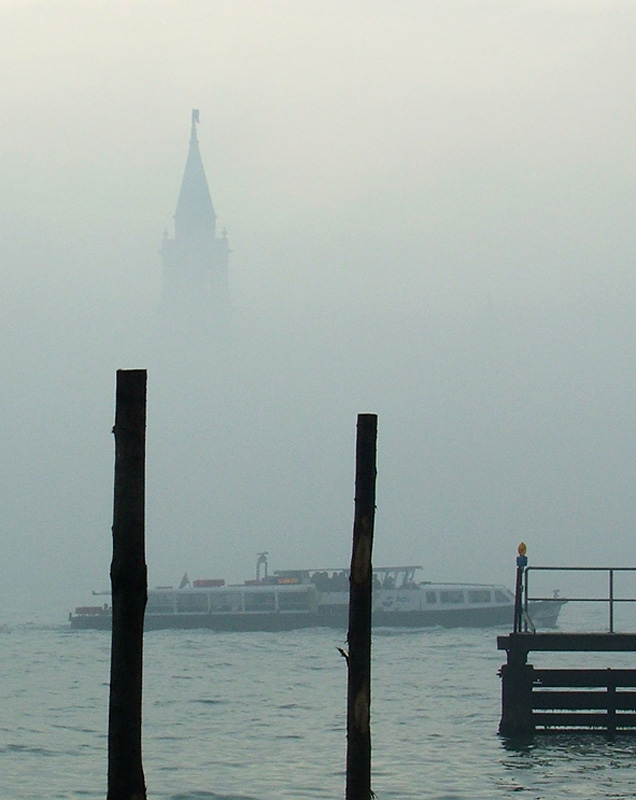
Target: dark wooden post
[[129, 588], [516, 699], [611, 701], [360, 580]]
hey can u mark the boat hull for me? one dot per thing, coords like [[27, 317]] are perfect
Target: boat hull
[[544, 614]]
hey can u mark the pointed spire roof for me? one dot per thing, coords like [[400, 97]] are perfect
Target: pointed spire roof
[[195, 213]]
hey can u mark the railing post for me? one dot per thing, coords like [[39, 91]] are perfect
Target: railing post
[[526, 583], [522, 562]]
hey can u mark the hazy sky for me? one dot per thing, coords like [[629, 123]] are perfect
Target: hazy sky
[[430, 210]]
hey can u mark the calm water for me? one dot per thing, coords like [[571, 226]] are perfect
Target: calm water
[[261, 717]]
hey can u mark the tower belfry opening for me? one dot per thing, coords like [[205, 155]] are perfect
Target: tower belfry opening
[[195, 290]]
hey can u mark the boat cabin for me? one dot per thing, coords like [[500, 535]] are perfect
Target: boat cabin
[[337, 579], [265, 598]]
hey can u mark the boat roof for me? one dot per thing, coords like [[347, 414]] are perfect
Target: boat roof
[[408, 568]]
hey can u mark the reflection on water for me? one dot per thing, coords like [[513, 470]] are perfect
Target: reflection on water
[[575, 765]]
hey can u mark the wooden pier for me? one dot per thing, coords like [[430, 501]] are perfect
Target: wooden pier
[[582, 699], [575, 698]]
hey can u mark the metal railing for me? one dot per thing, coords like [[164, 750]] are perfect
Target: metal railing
[[523, 597]]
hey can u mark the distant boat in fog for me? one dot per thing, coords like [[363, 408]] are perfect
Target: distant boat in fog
[[291, 599]]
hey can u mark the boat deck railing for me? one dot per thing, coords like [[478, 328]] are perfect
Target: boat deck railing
[[523, 595]]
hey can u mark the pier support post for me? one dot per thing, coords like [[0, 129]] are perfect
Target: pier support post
[[129, 590], [611, 702], [516, 700], [359, 638]]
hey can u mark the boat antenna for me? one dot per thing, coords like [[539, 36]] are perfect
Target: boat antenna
[[262, 559]]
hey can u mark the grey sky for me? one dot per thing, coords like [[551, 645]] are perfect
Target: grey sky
[[430, 208]]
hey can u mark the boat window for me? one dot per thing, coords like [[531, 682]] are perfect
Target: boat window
[[260, 601], [500, 597], [160, 604], [431, 597], [479, 595], [452, 596], [293, 601], [224, 601], [188, 602]]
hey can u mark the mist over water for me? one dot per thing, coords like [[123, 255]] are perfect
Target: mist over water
[[491, 430], [428, 212], [429, 209]]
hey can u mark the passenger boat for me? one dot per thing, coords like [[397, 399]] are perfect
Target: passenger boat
[[291, 599]]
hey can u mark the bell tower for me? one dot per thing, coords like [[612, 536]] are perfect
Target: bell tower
[[195, 293]]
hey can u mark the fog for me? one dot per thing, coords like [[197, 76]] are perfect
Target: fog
[[430, 212]]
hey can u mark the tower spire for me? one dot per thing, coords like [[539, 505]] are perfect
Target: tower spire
[[193, 129], [194, 217], [195, 261]]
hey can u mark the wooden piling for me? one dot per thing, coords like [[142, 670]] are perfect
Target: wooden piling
[[516, 700], [359, 638], [129, 590]]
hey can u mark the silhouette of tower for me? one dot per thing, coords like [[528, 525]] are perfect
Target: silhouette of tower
[[195, 295]]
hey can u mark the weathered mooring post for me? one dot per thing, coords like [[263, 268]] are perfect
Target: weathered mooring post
[[359, 638], [129, 590]]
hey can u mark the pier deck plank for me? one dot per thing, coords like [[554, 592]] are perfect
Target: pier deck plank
[[584, 678], [568, 642]]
